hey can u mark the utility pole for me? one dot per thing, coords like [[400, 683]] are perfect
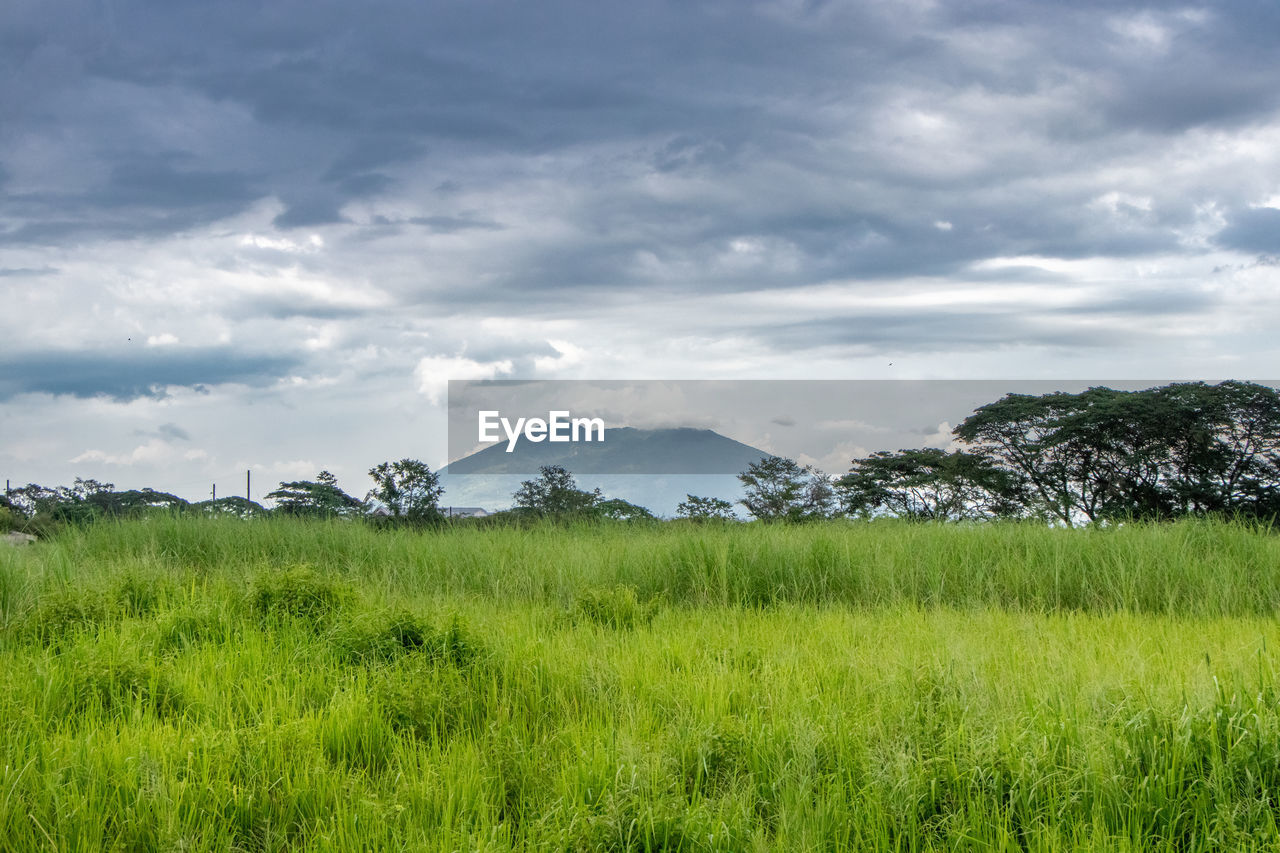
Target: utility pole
[[215, 491], [246, 485]]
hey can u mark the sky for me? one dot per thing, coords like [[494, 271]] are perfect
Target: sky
[[244, 236]]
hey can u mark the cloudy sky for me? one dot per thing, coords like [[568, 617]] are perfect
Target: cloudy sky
[[245, 235]]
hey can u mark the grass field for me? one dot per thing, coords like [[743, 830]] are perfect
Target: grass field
[[198, 685]]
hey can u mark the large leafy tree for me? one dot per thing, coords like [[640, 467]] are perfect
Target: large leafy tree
[[319, 498], [929, 484], [1223, 447], [1020, 432], [1100, 454], [780, 489], [554, 492], [409, 489]]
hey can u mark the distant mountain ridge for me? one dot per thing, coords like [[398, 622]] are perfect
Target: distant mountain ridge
[[624, 450]]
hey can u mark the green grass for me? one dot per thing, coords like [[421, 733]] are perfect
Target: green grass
[[197, 685]]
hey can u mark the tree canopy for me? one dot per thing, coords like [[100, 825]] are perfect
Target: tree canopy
[[408, 489], [780, 489], [1185, 448], [555, 492], [320, 498]]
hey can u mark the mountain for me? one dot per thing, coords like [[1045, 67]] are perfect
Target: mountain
[[655, 468], [624, 450]]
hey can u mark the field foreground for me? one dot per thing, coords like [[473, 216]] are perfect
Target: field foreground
[[197, 685]]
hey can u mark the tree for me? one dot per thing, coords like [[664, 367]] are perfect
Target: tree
[[135, 502], [620, 510], [929, 484], [234, 506], [780, 489], [1083, 457], [33, 498], [409, 489], [320, 498], [555, 492], [1223, 447], [1105, 454], [80, 502], [705, 509]]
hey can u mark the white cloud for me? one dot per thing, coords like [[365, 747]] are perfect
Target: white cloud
[[152, 452], [567, 355], [434, 372]]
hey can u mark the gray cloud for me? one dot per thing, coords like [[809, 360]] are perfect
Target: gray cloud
[[126, 376], [340, 103], [166, 432], [647, 185], [932, 332], [1255, 230]]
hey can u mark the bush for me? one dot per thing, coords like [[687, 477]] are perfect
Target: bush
[[62, 614], [618, 608], [99, 681], [382, 636], [296, 593], [189, 627], [431, 703]]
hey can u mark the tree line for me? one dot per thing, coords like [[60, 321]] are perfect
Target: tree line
[[1185, 449]]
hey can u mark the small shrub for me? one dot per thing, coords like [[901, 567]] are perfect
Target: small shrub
[[454, 645], [430, 702], [60, 615], [618, 608], [383, 636], [296, 593], [186, 628], [99, 681]]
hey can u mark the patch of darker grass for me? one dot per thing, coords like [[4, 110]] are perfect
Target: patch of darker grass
[[296, 593]]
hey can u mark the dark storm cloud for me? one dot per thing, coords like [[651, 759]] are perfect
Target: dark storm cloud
[[782, 112], [129, 375], [140, 195]]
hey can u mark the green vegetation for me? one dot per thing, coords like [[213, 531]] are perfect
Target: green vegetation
[[1184, 450], [292, 684]]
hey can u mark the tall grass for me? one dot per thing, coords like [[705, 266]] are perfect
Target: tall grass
[[1198, 568], [172, 685]]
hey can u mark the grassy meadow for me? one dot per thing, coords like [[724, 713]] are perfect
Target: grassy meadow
[[185, 684]]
